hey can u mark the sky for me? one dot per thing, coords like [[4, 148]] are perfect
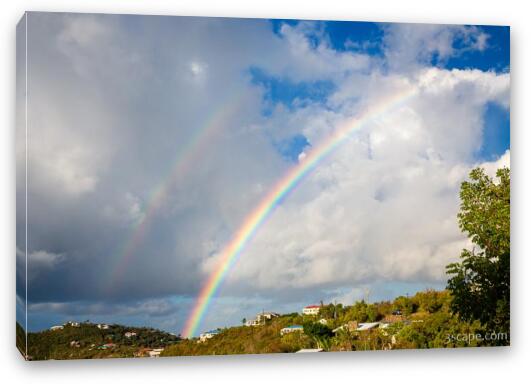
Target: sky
[[152, 138]]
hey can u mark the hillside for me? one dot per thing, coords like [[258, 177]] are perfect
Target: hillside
[[422, 321], [88, 341]]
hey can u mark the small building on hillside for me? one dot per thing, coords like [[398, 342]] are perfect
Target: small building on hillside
[[291, 329], [130, 334], [155, 352], [310, 350], [141, 352], [252, 323], [103, 326], [56, 327], [72, 323], [208, 335], [107, 346], [266, 316], [351, 326], [261, 318], [367, 326], [311, 310]]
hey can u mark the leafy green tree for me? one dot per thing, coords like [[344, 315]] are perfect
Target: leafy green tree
[[372, 313], [405, 304], [319, 333], [431, 301], [317, 330], [479, 283]]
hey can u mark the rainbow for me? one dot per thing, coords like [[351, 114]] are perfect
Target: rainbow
[[182, 163], [274, 197]]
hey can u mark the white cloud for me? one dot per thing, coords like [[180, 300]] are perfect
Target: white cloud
[[492, 166], [39, 262], [383, 206], [84, 31], [46, 259], [197, 68], [305, 54], [41, 258], [411, 45]]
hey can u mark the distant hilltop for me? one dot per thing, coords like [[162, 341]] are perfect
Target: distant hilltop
[[85, 340]]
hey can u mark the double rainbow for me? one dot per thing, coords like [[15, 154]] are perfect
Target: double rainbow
[[267, 205]]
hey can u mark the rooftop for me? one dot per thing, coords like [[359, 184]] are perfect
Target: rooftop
[[366, 326]]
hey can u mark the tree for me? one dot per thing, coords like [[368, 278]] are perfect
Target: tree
[[317, 330], [405, 305], [319, 333], [479, 284], [431, 301]]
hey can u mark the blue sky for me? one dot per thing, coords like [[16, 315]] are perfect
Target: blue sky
[[368, 37], [212, 113], [495, 58]]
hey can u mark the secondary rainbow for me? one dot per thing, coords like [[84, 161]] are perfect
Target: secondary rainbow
[[181, 165], [272, 199]]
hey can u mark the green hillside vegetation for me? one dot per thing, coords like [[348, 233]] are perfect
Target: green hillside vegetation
[[21, 339], [425, 321], [87, 341], [421, 321], [246, 340]]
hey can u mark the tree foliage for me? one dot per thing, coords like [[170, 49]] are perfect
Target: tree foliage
[[479, 283]]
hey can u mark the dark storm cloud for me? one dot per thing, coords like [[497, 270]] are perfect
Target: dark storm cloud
[[113, 102]]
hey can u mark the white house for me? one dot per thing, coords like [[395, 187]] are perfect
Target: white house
[[261, 318], [291, 329], [266, 316], [56, 327], [252, 323], [311, 310], [354, 326], [129, 334], [367, 326], [72, 323], [103, 326], [310, 350], [155, 352], [208, 335]]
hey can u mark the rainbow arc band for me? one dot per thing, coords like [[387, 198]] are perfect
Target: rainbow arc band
[[233, 250], [182, 164]]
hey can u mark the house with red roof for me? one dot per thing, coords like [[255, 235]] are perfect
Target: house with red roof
[[311, 310]]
